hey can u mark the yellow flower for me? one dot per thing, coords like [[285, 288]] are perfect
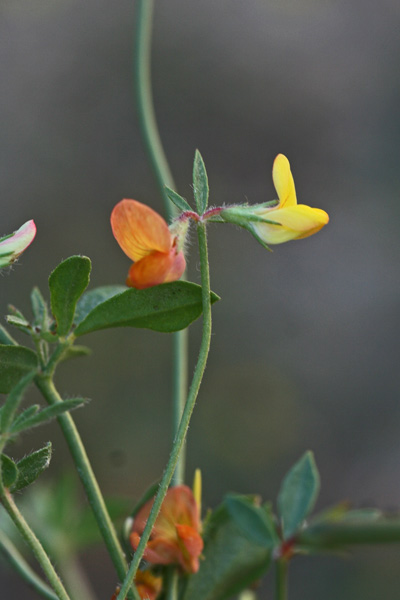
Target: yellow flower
[[275, 223]]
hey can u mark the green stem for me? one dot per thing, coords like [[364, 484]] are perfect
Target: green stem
[[333, 535], [23, 569], [187, 413], [85, 471], [281, 579], [163, 175], [33, 542], [144, 101]]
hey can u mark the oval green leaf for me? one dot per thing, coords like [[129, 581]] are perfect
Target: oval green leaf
[[67, 283], [298, 494], [15, 363], [31, 466], [166, 308], [252, 520]]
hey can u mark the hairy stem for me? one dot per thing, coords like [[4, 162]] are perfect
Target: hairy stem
[[24, 569], [85, 471], [187, 413], [36, 547]]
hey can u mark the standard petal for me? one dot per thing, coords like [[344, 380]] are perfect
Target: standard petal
[[283, 181], [156, 268], [18, 241], [139, 230], [296, 222]]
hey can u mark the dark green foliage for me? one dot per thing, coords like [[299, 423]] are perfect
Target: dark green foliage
[[298, 494], [167, 307], [231, 561], [253, 520], [15, 363], [67, 283]]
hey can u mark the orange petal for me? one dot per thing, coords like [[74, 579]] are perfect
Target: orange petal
[[156, 268], [193, 546], [159, 551], [148, 585], [139, 230], [283, 181]]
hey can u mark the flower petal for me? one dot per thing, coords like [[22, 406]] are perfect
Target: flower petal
[[13, 245], [283, 181], [139, 230], [193, 545], [296, 222], [156, 268]]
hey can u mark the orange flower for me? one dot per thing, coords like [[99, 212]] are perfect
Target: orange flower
[[144, 236], [175, 538], [147, 585]]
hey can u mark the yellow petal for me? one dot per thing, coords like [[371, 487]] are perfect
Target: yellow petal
[[283, 181], [296, 222], [139, 230]]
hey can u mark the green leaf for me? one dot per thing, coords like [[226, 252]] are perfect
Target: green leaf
[[40, 309], [231, 561], [200, 183], [9, 471], [15, 363], [97, 296], [67, 283], [75, 352], [21, 323], [179, 202], [167, 307], [48, 413], [298, 494], [253, 520], [24, 416], [14, 399], [31, 466], [5, 338]]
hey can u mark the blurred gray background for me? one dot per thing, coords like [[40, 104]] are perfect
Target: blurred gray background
[[305, 350]]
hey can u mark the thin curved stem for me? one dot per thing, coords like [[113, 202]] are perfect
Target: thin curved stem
[[163, 175], [187, 413], [24, 569], [34, 544], [85, 471]]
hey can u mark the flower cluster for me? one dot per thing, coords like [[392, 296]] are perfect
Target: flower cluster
[[157, 250]]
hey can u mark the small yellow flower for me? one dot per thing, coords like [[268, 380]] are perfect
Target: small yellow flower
[[296, 221], [275, 223]]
